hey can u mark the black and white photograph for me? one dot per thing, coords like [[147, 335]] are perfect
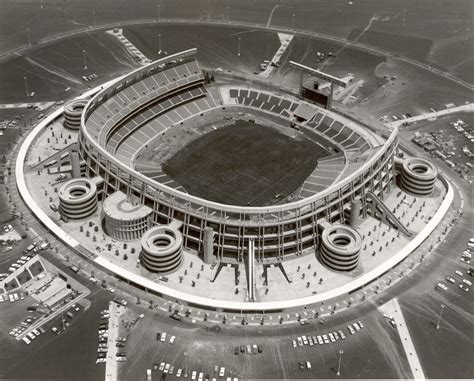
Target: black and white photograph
[[233, 190]]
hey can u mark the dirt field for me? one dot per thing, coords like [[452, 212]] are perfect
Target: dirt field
[[244, 164]]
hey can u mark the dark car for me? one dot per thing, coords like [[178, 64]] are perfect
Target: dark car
[[236, 350], [242, 349], [301, 365]]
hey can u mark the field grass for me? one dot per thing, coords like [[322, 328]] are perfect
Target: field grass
[[244, 164]]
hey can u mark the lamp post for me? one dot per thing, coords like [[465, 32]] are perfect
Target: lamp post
[[439, 317], [186, 364], [158, 11], [340, 360], [159, 43], [29, 37], [294, 21], [26, 87], [93, 19], [85, 61], [228, 13], [238, 53]]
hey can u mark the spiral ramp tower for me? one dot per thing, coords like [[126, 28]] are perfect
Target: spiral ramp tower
[[418, 176], [340, 247]]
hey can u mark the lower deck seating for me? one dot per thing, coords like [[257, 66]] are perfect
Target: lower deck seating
[[326, 172]]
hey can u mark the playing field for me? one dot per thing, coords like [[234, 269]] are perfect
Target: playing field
[[244, 164]]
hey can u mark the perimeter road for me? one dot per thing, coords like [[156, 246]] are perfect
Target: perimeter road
[[393, 308]]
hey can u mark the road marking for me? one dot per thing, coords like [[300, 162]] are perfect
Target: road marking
[[393, 308]]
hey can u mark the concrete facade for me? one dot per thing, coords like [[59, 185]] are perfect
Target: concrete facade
[[124, 218]]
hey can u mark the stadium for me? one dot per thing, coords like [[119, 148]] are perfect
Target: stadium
[[354, 169]]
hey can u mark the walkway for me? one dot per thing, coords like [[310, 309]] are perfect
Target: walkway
[[393, 308], [430, 115]]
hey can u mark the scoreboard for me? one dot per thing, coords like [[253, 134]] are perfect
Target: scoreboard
[[315, 96]]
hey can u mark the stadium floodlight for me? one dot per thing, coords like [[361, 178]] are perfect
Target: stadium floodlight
[[439, 317], [26, 86], [85, 61], [339, 364]]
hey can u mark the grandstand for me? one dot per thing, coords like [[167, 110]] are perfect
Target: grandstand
[[124, 119]]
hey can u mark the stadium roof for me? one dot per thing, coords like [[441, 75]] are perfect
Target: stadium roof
[[305, 112]]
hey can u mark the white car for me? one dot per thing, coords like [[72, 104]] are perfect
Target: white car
[[162, 367], [163, 337], [308, 365], [178, 373], [222, 372], [25, 339], [441, 286], [167, 368], [172, 339], [457, 272], [294, 343], [201, 376], [450, 279], [193, 375], [468, 282], [356, 326]]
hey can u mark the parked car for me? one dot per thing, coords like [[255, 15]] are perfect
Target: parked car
[[441, 286]]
